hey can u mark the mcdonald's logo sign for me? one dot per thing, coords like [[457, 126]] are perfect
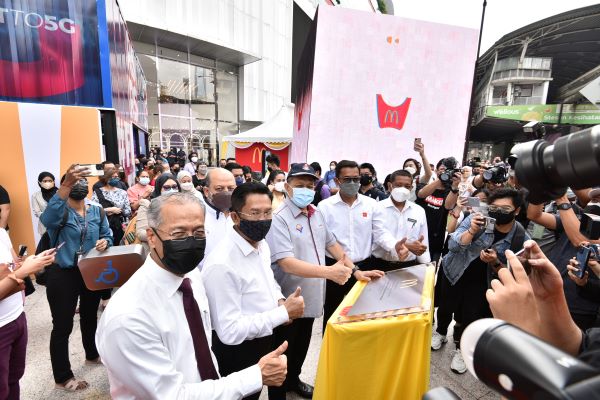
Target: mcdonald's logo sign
[[392, 116], [256, 153]]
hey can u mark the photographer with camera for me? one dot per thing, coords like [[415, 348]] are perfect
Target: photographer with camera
[[492, 178], [565, 223], [476, 252], [437, 199]]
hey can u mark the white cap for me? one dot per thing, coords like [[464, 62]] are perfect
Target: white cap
[[470, 338]]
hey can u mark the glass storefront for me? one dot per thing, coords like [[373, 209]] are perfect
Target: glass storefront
[[192, 101]]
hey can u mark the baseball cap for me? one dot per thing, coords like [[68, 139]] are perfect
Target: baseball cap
[[299, 169]]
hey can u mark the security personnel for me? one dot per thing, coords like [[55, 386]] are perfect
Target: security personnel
[[402, 219], [298, 239]]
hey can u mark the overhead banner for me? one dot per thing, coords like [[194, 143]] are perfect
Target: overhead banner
[[51, 53], [366, 93], [575, 114]]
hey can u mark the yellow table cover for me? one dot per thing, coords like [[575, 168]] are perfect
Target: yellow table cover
[[385, 358]]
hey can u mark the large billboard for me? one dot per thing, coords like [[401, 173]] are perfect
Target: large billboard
[[51, 53], [369, 84]]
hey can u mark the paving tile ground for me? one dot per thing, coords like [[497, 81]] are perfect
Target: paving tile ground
[[37, 384]]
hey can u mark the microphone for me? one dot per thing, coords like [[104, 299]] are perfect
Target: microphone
[[520, 366]]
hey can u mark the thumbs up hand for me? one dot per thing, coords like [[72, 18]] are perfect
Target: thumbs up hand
[[417, 247], [294, 304], [273, 366]]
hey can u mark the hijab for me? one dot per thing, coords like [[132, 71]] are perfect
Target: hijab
[[47, 193], [160, 181]]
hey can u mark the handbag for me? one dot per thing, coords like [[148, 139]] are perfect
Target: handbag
[[44, 244]]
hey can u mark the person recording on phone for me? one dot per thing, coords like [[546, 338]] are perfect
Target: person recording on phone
[[476, 252], [86, 227], [565, 224]]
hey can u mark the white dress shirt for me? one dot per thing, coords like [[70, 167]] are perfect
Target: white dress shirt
[[144, 340], [242, 292], [216, 226], [410, 223], [353, 226]]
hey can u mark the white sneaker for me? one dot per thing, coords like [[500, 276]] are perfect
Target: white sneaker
[[458, 364], [437, 341]]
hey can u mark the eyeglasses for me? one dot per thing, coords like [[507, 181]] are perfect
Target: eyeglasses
[[169, 187], [348, 180], [198, 234], [503, 210], [255, 216], [220, 189]]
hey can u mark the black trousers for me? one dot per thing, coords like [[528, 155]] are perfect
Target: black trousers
[[334, 293], [446, 300], [298, 335], [63, 289], [385, 266], [233, 358]]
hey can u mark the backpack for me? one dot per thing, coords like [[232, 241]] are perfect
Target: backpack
[[129, 236]]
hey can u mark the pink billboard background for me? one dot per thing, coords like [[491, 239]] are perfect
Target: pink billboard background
[[358, 56]]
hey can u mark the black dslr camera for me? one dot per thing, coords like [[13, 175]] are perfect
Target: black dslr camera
[[497, 174], [546, 170], [451, 168]]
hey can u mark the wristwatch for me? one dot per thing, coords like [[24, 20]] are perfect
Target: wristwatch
[[355, 269], [454, 191], [564, 206]]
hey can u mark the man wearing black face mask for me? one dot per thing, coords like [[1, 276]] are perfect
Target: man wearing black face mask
[[245, 300], [161, 318], [220, 184], [368, 183]]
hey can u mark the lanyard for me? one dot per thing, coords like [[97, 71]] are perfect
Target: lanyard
[[82, 228]]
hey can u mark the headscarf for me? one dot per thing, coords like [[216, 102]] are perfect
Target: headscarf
[[160, 181], [47, 193], [181, 174]]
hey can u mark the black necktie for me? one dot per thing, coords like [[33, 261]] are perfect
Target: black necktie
[[192, 314]]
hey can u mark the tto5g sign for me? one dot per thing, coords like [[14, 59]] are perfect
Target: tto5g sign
[[34, 20]]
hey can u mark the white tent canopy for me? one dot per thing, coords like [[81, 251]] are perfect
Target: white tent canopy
[[278, 129]]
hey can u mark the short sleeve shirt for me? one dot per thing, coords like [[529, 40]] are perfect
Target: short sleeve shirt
[[293, 234]]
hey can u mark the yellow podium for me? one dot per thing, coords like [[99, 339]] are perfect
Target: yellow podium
[[386, 358]]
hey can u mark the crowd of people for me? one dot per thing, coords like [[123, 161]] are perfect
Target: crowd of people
[[240, 265]]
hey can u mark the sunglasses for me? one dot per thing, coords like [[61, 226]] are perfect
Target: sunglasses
[[169, 187]]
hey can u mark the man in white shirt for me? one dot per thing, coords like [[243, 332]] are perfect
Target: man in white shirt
[[154, 336], [245, 301], [350, 217], [402, 219], [220, 184]]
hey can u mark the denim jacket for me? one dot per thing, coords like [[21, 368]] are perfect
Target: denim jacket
[[460, 256]]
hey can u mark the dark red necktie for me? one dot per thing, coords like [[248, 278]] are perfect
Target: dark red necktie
[[192, 314]]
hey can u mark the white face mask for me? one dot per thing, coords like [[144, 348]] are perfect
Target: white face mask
[[194, 159], [144, 180], [400, 194], [47, 185], [411, 170], [187, 186], [280, 186]]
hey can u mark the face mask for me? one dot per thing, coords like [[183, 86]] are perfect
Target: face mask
[[47, 185], [255, 230], [349, 189], [187, 186], [502, 219], [400, 194], [365, 180], [222, 201], [79, 192], [411, 170], [279, 186], [239, 180], [332, 167], [182, 256], [144, 181], [203, 170], [175, 171], [194, 159], [114, 182], [302, 197]]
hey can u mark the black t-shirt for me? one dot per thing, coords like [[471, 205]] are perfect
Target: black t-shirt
[[375, 194], [477, 271], [437, 217], [4, 198], [198, 182]]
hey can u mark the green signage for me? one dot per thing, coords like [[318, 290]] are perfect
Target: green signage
[[574, 114]]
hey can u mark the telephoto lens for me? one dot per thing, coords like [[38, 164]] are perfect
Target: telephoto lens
[[546, 170]]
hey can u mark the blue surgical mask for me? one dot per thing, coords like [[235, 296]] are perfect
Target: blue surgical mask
[[114, 182], [302, 197]]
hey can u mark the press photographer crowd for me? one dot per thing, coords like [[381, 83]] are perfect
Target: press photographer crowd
[[238, 266]]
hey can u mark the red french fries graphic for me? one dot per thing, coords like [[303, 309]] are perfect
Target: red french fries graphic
[[390, 116]]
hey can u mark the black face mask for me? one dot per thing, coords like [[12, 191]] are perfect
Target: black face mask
[[255, 230], [365, 180], [182, 256], [78, 192], [501, 218]]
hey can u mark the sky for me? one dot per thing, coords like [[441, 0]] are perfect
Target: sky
[[501, 16]]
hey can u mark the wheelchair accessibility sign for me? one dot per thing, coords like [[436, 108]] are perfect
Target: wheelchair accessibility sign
[[109, 275]]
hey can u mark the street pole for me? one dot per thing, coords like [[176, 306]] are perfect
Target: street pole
[[471, 105]]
